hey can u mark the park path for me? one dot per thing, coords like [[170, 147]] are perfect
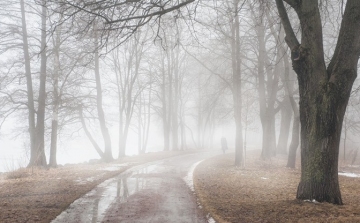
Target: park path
[[153, 193]]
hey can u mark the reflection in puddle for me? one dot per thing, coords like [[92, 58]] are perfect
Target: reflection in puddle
[[126, 184], [93, 206], [108, 199]]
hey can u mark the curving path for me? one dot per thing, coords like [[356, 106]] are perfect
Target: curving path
[[156, 192]]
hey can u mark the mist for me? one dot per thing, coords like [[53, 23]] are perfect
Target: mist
[[176, 103]]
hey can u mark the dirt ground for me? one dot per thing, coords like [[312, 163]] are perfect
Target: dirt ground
[[265, 191], [39, 195]]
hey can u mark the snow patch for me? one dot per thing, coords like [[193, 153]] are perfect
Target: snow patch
[[350, 174], [264, 178], [190, 183], [312, 201], [210, 219], [189, 177]]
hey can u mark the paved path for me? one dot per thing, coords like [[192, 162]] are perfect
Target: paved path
[[152, 193]]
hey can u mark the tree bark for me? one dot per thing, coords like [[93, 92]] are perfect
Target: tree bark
[[324, 94]]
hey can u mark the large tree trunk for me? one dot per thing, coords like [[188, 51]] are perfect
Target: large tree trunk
[[321, 116], [324, 94]]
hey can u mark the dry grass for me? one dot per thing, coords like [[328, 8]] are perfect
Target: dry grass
[[265, 192]]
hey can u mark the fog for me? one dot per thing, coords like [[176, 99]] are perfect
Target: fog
[[179, 110], [80, 89]]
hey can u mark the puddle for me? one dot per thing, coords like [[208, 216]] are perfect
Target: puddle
[[114, 167], [160, 178], [92, 206]]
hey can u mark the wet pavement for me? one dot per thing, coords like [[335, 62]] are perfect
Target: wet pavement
[[155, 192]]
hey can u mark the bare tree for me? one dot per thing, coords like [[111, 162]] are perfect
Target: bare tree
[[126, 64], [324, 93], [120, 18]]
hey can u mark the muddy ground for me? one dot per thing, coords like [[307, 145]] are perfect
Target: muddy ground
[[265, 191], [39, 195]]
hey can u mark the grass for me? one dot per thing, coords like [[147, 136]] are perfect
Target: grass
[[265, 191]]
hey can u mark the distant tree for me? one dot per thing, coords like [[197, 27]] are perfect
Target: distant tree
[[324, 92], [351, 126], [295, 134], [125, 61], [107, 152], [285, 106], [162, 92], [144, 114], [269, 67], [226, 28]]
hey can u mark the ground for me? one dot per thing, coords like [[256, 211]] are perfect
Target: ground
[[265, 191], [39, 195]]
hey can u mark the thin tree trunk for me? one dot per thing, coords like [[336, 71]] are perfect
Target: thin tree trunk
[[295, 137], [88, 134], [164, 110], [237, 97], [148, 112], [39, 147], [286, 116], [104, 130], [140, 131], [175, 123], [29, 86], [56, 99], [294, 141], [269, 137], [170, 97]]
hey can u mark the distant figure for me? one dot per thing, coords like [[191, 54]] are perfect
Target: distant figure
[[223, 144]]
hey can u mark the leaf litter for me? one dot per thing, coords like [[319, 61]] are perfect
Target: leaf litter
[[265, 191]]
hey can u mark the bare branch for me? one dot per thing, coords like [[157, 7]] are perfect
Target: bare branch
[[290, 38]]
